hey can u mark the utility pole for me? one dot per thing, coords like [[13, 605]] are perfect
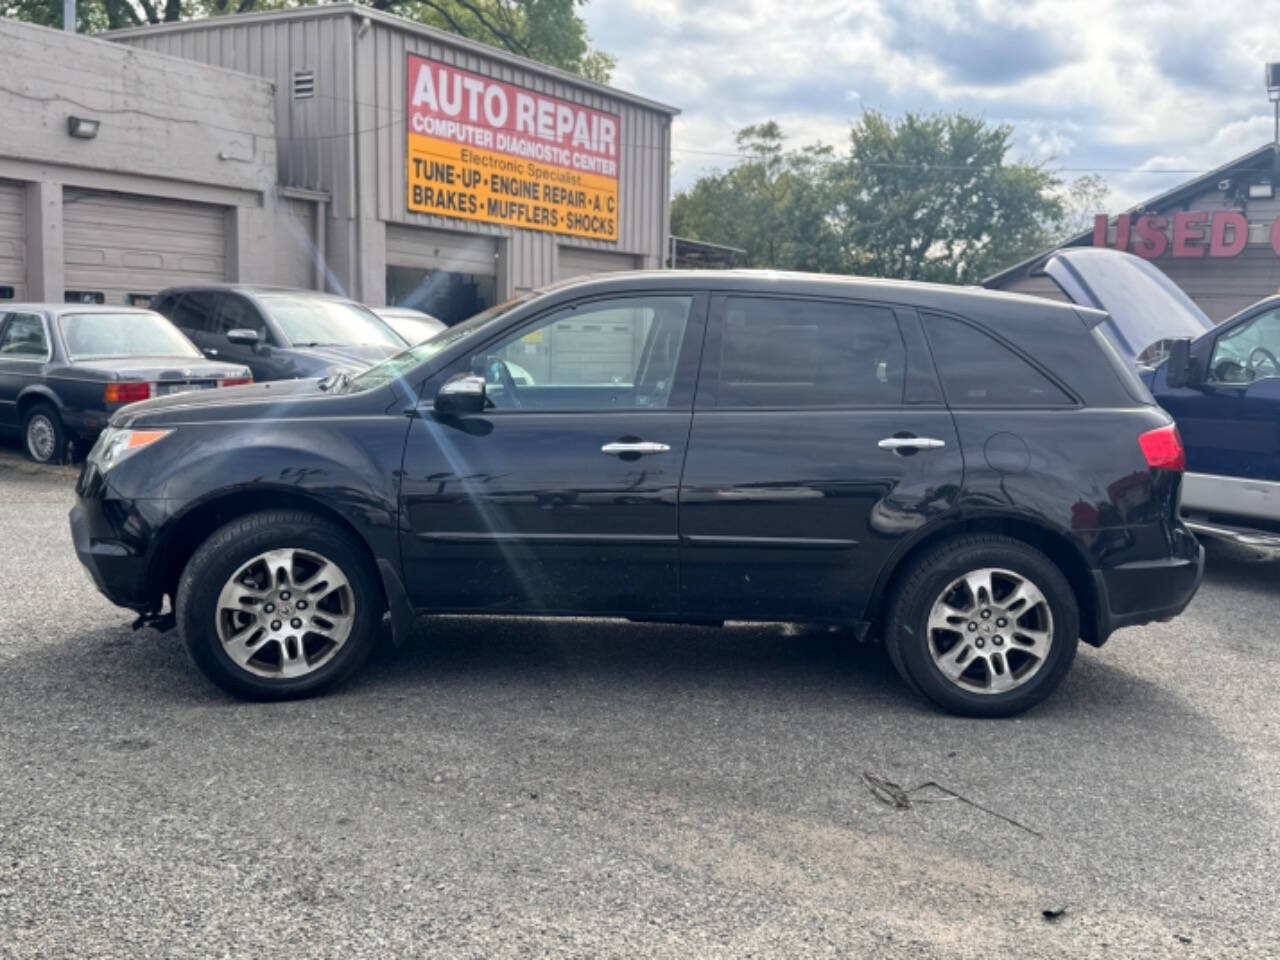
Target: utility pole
[[69, 17]]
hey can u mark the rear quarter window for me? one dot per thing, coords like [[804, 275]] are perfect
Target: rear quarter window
[[977, 370]]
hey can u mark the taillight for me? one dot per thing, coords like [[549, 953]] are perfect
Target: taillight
[[130, 391], [1163, 448], [235, 381]]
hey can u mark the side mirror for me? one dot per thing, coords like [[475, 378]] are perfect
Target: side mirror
[[461, 393], [1179, 372], [246, 338]]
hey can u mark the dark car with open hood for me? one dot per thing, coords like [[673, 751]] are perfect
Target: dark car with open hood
[[980, 479], [65, 368], [280, 333]]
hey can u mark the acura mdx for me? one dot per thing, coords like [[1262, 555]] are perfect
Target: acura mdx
[[976, 478]]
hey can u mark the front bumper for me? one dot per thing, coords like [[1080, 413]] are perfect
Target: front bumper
[[1131, 594], [114, 538]]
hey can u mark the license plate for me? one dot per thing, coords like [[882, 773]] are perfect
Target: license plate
[[167, 389]]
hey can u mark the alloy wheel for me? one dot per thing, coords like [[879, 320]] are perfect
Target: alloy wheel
[[285, 613], [990, 631], [42, 438]]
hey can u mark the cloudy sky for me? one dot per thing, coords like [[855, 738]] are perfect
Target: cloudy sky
[[1130, 89]]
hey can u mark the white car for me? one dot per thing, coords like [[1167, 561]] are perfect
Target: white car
[[414, 325]]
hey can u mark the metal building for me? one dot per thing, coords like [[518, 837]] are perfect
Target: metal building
[[123, 171], [1216, 236], [450, 174]]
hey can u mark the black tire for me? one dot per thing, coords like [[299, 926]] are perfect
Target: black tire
[[907, 636], [226, 551], [44, 415]]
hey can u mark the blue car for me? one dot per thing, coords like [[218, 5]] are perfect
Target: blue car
[[1220, 382]]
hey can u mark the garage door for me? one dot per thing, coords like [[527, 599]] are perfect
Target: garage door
[[578, 262], [124, 247], [13, 240], [448, 275]]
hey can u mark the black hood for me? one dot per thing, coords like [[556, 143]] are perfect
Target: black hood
[[274, 398], [332, 357]]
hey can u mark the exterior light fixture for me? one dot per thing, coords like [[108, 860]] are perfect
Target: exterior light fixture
[[82, 128]]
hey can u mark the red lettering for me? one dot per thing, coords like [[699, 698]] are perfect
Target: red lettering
[[1100, 230], [1218, 246], [1152, 242], [1187, 226], [1122, 232]]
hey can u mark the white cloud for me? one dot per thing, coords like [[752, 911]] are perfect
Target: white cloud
[[1094, 84]]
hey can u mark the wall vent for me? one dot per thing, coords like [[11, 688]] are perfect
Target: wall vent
[[304, 84]]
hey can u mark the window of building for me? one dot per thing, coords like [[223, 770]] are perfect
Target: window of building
[[779, 352], [977, 370]]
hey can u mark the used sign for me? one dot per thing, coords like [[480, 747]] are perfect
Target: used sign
[[1186, 233], [480, 149]]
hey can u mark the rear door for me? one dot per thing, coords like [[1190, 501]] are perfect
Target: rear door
[[562, 496], [819, 441]]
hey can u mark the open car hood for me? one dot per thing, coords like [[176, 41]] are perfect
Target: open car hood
[[1145, 309]]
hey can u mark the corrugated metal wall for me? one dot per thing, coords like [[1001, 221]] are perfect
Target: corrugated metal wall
[[315, 147], [360, 86]]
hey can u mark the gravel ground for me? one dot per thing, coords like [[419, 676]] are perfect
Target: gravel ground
[[511, 788]]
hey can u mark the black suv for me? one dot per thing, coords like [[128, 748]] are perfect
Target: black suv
[[278, 332], [976, 477]]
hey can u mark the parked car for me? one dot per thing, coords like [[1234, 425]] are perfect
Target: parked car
[[1220, 382], [65, 368], [977, 477], [413, 325], [280, 333]]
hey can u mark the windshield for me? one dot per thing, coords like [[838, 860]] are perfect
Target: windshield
[[316, 322], [1147, 309], [104, 336], [399, 365]]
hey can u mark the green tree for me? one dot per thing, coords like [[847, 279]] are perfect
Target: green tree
[[935, 197], [549, 31], [1082, 199], [770, 204]]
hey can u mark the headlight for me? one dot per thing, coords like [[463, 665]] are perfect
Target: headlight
[[115, 445]]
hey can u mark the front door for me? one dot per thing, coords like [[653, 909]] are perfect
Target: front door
[[1230, 422], [801, 476], [562, 496], [24, 351]]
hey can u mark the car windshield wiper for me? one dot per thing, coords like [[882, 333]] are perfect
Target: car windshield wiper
[[335, 381]]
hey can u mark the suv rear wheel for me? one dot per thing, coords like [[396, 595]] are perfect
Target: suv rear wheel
[[984, 626], [279, 604]]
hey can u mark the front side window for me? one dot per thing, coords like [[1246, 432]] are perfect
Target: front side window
[[318, 322], [24, 339], [102, 336], [195, 311], [237, 313], [809, 353], [603, 355], [1249, 352], [977, 370]]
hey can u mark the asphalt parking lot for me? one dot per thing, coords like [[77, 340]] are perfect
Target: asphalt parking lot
[[597, 789]]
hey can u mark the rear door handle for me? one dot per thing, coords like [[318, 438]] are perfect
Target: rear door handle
[[617, 449], [915, 443]]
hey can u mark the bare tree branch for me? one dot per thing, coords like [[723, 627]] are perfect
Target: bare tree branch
[[508, 40], [149, 10]]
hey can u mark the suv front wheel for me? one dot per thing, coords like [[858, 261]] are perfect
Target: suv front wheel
[[279, 604], [984, 626]]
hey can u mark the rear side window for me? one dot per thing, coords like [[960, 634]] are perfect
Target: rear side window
[[778, 352], [977, 370], [24, 339]]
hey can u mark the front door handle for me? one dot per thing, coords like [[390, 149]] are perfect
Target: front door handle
[[913, 443], [638, 448]]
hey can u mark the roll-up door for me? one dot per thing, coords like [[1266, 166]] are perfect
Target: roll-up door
[[448, 275], [122, 247], [580, 261], [13, 240]]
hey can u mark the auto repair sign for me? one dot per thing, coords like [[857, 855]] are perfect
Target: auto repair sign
[[480, 149]]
